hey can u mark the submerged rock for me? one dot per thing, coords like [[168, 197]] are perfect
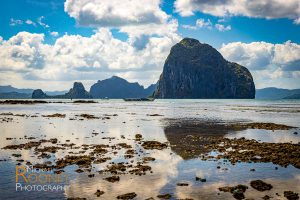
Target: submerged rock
[[237, 191], [260, 185], [113, 179], [154, 145], [291, 195], [130, 195], [98, 193], [164, 196]]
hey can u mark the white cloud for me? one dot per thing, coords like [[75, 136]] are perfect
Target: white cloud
[[297, 21], [222, 27], [139, 19], [40, 22], [204, 24], [262, 55], [22, 52], [270, 64], [190, 27], [15, 22], [30, 22], [115, 13], [54, 33], [74, 57], [269, 9]]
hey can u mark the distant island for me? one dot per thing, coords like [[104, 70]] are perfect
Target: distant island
[[264, 93], [193, 70]]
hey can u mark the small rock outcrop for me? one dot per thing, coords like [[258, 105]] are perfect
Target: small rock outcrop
[[195, 70], [39, 94], [77, 92]]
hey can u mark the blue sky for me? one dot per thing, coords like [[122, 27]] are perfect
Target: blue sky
[[133, 41]]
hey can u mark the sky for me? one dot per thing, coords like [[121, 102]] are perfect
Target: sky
[[50, 44]]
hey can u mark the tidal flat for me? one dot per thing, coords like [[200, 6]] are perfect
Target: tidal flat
[[166, 149]]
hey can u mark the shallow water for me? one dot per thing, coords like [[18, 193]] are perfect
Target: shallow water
[[168, 168]]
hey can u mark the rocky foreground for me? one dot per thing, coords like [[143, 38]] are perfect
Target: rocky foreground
[[189, 139]]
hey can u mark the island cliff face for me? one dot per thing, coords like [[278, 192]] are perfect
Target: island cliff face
[[195, 70]]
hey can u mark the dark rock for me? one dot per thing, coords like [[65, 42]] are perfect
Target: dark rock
[[164, 196], [99, 193], [200, 179], [196, 70], [237, 191], [113, 179], [266, 197], [182, 184], [130, 195], [154, 145], [260, 185], [291, 195]]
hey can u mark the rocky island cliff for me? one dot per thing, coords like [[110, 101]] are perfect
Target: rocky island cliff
[[196, 70]]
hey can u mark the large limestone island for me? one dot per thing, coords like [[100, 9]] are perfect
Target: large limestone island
[[196, 70]]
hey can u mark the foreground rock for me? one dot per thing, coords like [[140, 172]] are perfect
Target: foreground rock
[[237, 191], [21, 102], [130, 195], [244, 150], [260, 185], [154, 145], [196, 70], [190, 138], [98, 193], [291, 195]]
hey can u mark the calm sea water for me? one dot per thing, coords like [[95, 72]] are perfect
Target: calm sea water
[[168, 168]]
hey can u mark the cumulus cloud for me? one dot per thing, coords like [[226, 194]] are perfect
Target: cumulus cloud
[[22, 52], [203, 23], [74, 57], [269, 9], [54, 33], [139, 19], [30, 22], [222, 27], [262, 55], [40, 22], [15, 22], [268, 62], [115, 13]]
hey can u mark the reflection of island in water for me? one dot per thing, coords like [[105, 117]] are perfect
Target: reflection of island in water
[[188, 137], [193, 138]]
